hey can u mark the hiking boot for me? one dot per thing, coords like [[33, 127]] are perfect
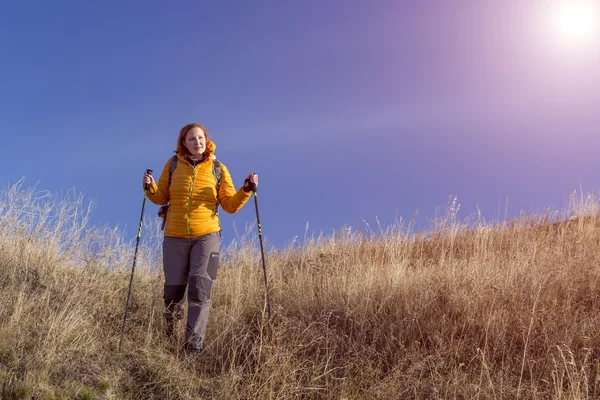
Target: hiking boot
[[193, 348], [194, 344], [172, 314], [178, 312], [169, 327]]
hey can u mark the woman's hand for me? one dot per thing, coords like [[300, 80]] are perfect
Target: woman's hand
[[251, 182], [147, 180]]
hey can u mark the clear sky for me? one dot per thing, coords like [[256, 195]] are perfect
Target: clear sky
[[348, 110]]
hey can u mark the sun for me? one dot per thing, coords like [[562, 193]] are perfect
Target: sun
[[578, 20]]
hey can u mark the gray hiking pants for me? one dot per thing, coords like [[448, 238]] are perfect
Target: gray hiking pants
[[192, 263]]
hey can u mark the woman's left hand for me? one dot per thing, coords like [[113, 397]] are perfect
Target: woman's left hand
[[251, 182]]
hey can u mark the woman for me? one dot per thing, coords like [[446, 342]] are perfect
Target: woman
[[192, 232]]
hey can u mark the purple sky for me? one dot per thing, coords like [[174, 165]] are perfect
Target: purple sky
[[347, 110]]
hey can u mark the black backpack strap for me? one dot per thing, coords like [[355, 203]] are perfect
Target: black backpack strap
[[164, 210], [217, 173], [172, 167]]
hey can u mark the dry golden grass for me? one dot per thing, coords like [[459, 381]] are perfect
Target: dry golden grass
[[470, 310]]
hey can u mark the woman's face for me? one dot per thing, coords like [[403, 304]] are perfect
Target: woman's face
[[195, 142]]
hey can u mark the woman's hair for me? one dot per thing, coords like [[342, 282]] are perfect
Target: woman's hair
[[181, 149]]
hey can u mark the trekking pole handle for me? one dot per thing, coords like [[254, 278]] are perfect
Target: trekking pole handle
[[252, 185], [149, 172]]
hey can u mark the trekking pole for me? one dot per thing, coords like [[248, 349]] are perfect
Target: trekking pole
[[262, 251], [137, 242]]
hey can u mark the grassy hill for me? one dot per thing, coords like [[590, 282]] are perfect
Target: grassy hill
[[469, 310]]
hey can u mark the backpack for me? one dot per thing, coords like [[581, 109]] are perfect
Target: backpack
[[162, 212]]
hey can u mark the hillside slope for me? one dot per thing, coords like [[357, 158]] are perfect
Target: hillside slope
[[469, 310]]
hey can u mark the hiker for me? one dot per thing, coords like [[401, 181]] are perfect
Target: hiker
[[193, 183]]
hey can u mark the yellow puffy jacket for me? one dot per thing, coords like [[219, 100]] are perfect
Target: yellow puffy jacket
[[193, 196]]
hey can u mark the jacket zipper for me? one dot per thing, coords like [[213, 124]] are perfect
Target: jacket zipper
[[190, 201]]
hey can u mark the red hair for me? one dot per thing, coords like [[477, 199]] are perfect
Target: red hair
[[181, 149]]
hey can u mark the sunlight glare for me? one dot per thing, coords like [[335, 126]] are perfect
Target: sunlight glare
[[577, 20]]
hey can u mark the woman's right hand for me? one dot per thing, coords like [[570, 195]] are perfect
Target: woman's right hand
[[147, 180]]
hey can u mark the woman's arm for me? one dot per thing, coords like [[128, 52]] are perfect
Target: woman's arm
[[159, 194], [230, 199]]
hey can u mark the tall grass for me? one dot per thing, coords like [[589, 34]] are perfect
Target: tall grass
[[468, 309]]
